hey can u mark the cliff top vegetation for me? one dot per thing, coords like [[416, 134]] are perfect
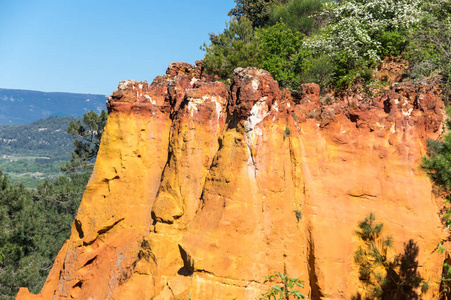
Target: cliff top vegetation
[[334, 44]]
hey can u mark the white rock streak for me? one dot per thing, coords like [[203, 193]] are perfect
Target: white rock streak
[[258, 112], [193, 102], [150, 99], [193, 80], [192, 105], [255, 84]]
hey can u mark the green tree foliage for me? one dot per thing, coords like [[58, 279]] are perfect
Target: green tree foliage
[[33, 227], [87, 135], [445, 284], [276, 48], [284, 289], [372, 258], [429, 49], [437, 164], [256, 11], [20, 224], [297, 15], [279, 50], [236, 46], [386, 276]]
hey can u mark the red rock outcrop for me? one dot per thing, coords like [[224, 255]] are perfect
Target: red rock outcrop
[[202, 190]]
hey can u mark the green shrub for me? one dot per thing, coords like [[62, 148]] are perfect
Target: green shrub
[[318, 70], [280, 53], [392, 43], [284, 289], [437, 164]]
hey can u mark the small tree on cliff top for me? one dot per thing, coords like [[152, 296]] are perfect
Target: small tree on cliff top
[[235, 46]]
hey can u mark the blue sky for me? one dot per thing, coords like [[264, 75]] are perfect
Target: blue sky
[[88, 46]]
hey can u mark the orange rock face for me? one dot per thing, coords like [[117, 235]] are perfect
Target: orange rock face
[[201, 191]]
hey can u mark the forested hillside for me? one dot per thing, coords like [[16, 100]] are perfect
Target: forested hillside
[[23, 106], [31, 153], [45, 137]]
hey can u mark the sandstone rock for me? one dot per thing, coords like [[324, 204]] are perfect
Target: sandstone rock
[[391, 70], [182, 68], [203, 191]]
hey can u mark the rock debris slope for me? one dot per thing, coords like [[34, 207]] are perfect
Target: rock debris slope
[[203, 190]]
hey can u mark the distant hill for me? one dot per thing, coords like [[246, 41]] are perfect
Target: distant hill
[[46, 137], [23, 106], [30, 153]]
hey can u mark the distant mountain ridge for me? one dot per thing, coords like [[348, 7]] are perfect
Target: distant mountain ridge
[[25, 106]]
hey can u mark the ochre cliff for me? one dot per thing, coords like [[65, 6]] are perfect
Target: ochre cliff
[[203, 190]]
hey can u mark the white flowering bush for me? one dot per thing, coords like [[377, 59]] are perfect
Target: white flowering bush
[[361, 32]]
